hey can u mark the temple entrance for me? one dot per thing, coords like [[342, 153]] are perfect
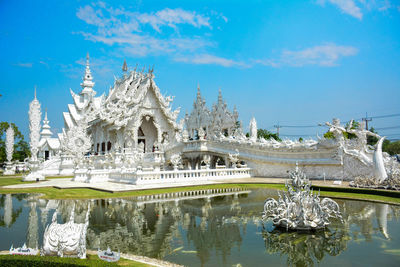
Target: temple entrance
[[147, 135], [46, 154]]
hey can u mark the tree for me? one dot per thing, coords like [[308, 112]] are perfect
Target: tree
[[267, 134], [21, 147], [346, 135], [372, 140], [392, 148]]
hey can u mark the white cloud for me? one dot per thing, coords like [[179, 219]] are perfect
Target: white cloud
[[209, 59], [130, 30], [323, 55], [24, 65], [355, 8], [326, 55], [346, 6], [172, 17]]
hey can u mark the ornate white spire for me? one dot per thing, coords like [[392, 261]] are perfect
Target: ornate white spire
[[34, 126], [220, 100], [124, 66], [46, 132], [9, 143], [199, 99], [87, 84]]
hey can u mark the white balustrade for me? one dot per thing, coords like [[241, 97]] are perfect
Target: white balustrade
[[134, 176]]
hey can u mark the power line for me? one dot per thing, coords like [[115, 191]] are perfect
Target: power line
[[366, 119], [299, 126], [387, 128], [385, 116]]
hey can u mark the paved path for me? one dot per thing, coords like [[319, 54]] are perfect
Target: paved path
[[64, 183]]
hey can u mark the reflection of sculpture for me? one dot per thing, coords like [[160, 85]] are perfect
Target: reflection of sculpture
[[299, 208], [303, 249], [66, 239]]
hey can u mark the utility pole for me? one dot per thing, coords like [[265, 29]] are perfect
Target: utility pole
[[366, 119], [277, 128]]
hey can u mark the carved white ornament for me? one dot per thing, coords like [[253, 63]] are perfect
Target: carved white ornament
[[66, 239], [34, 127], [253, 129], [9, 143], [299, 208], [76, 142], [176, 159]]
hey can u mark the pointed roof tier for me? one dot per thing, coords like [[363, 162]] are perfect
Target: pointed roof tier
[[85, 105], [200, 115], [46, 132], [222, 118], [87, 84], [132, 93]]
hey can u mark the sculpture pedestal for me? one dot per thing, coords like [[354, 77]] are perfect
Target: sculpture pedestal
[[81, 175], [10, 169], [34, 175]]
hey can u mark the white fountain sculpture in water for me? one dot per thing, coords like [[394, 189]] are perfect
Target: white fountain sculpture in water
[[299, 208], [9, 150], [67, 239]]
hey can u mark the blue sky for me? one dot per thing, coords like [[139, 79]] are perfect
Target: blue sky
[[286, 62]]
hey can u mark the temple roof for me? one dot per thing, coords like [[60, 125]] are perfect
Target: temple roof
[[53, 143], [46, 132]]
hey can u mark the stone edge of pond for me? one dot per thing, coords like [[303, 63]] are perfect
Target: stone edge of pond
[[254, 182], [136, 258]]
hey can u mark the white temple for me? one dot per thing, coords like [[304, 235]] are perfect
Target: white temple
[[131, 134], [49, 146]]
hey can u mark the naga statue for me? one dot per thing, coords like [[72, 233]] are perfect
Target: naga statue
[[299, 208], [68, 239]]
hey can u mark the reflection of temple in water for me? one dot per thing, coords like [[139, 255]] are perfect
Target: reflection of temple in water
[[147, 225], [304, 249], [207, 223]]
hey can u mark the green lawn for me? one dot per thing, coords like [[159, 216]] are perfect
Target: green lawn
[[85, 193], [92, 260]]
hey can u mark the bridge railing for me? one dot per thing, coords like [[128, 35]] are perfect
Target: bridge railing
[[190, 175]]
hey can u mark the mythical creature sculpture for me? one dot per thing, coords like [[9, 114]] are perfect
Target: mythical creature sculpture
[[176, 160], [234, 158], [201, 134], [185, 136], [66, 239], [253, 129], [207, 160], [299, 208]]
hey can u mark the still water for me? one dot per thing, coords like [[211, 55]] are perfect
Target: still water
[[211, 228]]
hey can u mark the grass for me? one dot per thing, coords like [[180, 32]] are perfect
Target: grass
[[86, 193], [91, 260]]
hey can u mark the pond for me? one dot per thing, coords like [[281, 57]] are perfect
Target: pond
[[211, 228]]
